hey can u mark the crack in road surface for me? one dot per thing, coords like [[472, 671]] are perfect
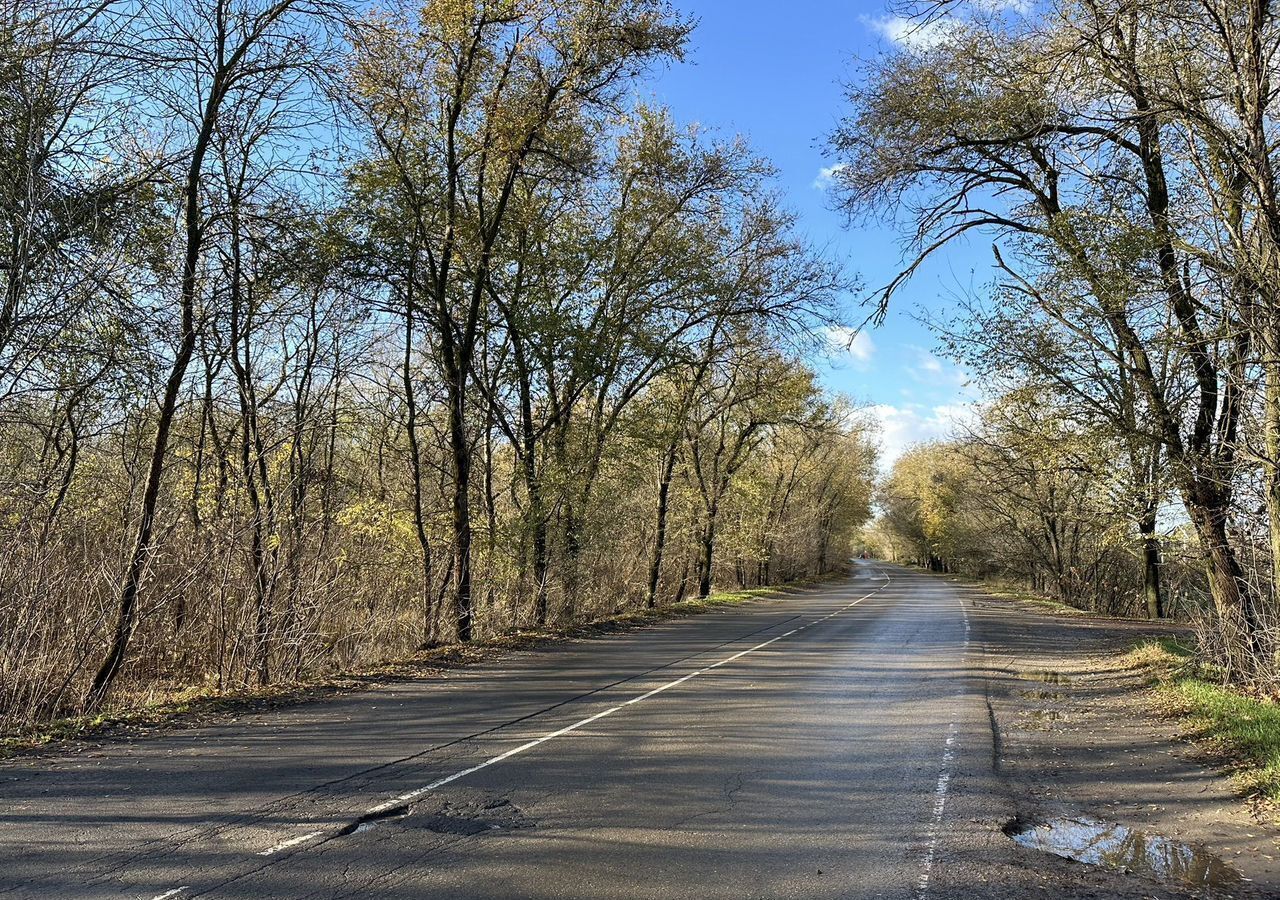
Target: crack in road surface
[[289, 846]]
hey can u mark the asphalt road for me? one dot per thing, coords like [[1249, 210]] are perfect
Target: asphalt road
[[833, 743]]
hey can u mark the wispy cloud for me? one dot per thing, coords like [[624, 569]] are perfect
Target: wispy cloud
[[827, 176], [852, 346], [913, 34], [928, 369]]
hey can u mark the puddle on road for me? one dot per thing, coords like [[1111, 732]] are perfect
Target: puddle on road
[[1101, 843]]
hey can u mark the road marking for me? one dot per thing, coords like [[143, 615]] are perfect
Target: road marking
[[529, 745], [292, 842], [514, 751], [943, 785], [939, 806], [171, 893]]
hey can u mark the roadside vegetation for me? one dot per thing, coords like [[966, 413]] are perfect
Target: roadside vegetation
[[199, 704], [327, 335], [1120, 158], [1242, 730]]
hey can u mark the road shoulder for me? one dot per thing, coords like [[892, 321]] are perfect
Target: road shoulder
[[1076, 732]]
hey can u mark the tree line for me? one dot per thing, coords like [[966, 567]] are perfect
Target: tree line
[[1122, 158], [329, 334], [1025, 494]]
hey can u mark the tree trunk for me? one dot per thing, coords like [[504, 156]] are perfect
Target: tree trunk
[[460, 450], [1271, 423], [707, 547], [415, 459], [1152, 589], [660, 533], [533, 488], [1237, 620], [140, 555]]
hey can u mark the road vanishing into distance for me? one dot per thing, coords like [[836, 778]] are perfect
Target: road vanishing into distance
[[833, 743]]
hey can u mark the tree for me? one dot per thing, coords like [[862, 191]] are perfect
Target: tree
[[235, 58], [993, 129], [464, 102]]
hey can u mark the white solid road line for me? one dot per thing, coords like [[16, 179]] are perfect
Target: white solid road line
[[529, 745]]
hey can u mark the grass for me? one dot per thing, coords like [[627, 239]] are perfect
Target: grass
[[1057, 607], [196, 705], [1006, 591], [1047, 676], [1241, 730]]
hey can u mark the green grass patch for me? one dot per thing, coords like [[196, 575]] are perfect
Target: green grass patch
[[1242, 731]]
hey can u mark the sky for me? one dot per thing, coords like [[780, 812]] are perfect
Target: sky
[[772, 72]]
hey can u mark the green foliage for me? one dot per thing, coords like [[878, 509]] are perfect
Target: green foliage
[[475, 325], [1242, 728]]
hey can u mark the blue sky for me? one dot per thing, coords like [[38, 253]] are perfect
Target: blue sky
[[773, 72]]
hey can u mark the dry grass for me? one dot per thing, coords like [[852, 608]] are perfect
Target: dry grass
[[1240, 730], [194, 706]]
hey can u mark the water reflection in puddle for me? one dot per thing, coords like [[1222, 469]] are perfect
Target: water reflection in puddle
[[1100, 843]]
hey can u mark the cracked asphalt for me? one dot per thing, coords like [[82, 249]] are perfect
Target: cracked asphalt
[[792, 747]]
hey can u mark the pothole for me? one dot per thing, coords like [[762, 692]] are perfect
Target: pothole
[[470, 817], [372, 820], [467, 817], [1115, 846]]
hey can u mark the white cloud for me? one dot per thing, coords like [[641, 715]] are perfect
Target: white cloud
[[1021, 7], [862, 348], [903, 426], [853, 346], [827, 176], [911, 33], [935, 372]]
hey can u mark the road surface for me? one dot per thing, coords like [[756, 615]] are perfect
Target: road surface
[[833, 743]]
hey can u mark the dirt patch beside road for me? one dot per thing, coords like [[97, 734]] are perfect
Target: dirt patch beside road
[[1077, 737]]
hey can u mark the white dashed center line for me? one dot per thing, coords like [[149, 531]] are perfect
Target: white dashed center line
[[493, 760], [414, 794], [409, 796], [939, 807]]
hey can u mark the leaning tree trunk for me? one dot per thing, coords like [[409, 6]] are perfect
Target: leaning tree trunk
[[1233, 602], [140, 554]]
